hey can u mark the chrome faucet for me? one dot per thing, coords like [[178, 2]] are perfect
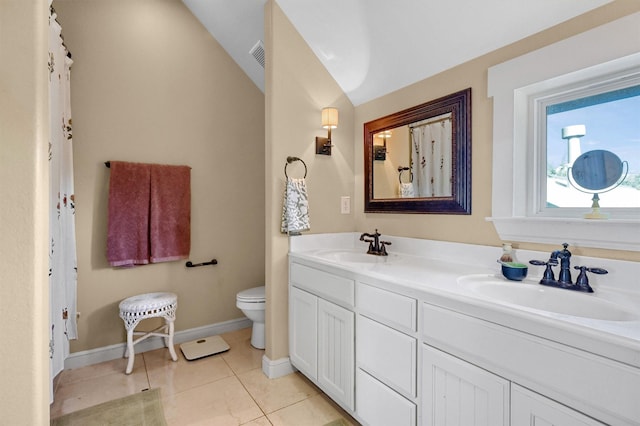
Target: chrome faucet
[[376, 247], [564, 278]]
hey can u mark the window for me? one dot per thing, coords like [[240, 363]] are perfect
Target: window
[[598, 117], [534, 97]]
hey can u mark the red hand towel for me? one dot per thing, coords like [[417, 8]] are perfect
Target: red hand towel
[[128, 216], [170, 217]]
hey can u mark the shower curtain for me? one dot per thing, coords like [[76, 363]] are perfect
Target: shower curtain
[[62, 238], [431, 156]]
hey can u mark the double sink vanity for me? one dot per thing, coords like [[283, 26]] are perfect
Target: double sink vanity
[[432, 334]]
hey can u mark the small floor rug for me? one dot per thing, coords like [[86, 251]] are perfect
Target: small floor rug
[[339, 422], [140, 409]]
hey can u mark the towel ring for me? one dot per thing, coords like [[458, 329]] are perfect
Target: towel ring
[[402, 169], [291, 160]]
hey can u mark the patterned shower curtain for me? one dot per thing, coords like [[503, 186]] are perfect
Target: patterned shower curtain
[[431, 156], [62, 236]]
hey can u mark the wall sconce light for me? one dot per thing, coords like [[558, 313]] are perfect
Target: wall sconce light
[[380, 151], [329, 121]]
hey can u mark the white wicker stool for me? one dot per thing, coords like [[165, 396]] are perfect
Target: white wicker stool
[[150, 305]]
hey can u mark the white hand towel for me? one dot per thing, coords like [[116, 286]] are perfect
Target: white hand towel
[[406, 190], [295, 208]]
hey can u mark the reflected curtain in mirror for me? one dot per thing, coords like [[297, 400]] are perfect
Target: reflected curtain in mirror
[[431, 157]]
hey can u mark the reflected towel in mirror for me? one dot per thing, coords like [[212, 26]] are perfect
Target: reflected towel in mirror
[[405, 190]]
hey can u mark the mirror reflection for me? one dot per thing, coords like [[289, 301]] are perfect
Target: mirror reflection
[[419, 160], [414, 160]]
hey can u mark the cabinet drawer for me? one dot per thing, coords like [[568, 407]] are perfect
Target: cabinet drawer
[[390, 308], [377, 404], [322, 283], [387, 354]]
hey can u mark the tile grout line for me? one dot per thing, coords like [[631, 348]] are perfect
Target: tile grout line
[[146, 372], [248, 392]]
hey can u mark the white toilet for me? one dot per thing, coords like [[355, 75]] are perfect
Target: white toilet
[[252, 303]]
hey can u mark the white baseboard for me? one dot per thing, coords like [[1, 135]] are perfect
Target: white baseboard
[[108, 353], [276, 368]]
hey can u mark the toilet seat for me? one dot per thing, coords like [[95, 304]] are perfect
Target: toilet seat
[[252, 295]]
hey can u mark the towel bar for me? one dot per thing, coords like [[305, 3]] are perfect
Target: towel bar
[[189, 264]]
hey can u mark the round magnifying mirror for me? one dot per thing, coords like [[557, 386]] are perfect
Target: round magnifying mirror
[[597, 170]]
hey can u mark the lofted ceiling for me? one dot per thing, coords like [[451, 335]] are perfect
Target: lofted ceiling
[[374, 47]]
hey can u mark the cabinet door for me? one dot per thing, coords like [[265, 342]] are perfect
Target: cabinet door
[[531, 409], [455, 392], [335, 351], [303, 331]]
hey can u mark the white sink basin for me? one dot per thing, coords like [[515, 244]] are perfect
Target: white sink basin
[[531, 295], [350, 256]]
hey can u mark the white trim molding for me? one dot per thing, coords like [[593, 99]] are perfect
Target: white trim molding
[[575, 232], [611, 48], [108, 353], [276, 368]]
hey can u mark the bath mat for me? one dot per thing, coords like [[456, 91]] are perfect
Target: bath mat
[[139, 409], [339, 422], [204, 347]]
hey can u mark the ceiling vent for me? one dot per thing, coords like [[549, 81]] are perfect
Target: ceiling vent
[[257, 52]]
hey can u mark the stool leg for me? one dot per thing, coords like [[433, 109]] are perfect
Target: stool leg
[[130, 352], [168, 341]]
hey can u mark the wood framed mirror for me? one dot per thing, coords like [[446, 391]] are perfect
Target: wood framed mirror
[[419, 160]]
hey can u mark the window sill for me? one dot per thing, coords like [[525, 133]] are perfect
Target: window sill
[[609, 234]]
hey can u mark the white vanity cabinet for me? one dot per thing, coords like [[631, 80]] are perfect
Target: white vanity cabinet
[[386, 357], [391, 343], [455, 392], [321, 332], [557, 376]]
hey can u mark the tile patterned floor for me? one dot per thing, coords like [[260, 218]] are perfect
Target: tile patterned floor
[[226, 389]]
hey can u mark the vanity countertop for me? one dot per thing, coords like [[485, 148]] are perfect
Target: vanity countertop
[[432, 272]]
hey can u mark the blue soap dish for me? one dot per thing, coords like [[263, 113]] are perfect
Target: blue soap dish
[[514, 271]]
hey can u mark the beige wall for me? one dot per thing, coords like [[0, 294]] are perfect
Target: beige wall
[[150, 84], [297, 88], [469, 229], [24, 130]]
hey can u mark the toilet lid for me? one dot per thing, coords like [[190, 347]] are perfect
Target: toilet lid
[[255, 294]]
